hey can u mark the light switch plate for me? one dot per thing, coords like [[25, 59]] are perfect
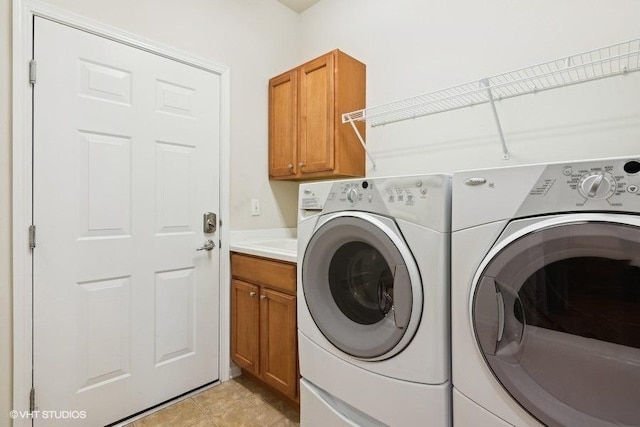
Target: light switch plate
[[255, 207]]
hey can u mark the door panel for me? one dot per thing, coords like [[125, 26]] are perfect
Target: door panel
[[278, 345], [125, 164], [105, 350], [245, 325], [283, 125], [316, 115]]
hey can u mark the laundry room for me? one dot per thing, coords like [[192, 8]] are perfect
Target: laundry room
[[181, 241]]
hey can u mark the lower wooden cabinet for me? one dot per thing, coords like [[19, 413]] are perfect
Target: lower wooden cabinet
[[263, 321], [245, 325]]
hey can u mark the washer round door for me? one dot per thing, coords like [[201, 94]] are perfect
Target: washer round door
[[556, 312], [362, 285]]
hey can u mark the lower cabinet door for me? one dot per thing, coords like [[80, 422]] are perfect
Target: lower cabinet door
[[278, 354], [245, 325]]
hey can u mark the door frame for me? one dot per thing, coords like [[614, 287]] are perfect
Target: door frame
[[24, 12]]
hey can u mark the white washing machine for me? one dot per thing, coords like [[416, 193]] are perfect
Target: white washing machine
[[546, 295], [373, 301]]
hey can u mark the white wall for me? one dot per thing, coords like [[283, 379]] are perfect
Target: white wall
[[415, 46]]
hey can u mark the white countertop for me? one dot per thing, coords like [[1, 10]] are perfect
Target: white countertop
[[276, 243]]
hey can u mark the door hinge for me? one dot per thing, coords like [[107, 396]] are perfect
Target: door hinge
[[32, 71], [32, 400], [32, 236]]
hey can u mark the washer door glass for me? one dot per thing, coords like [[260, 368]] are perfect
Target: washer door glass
[[557, 316], [357, 285], [361, 283]]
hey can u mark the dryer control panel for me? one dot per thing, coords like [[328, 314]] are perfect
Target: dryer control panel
[[595, 185], [486, 195]]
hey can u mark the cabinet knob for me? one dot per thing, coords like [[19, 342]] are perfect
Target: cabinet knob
[[301, 164], [252, 294], [263, 296]]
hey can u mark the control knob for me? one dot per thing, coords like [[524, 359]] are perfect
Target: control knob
[[352, 195], [597, 185]]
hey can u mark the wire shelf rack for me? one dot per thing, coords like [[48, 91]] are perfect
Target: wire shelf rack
[[608, 61]]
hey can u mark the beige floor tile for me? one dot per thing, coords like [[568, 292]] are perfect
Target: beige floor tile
[[216, 399], [286, 409], [285, 422], [240, 402], [243, 413], [182, 414], [205, 422], [263, 391], [276, 400]]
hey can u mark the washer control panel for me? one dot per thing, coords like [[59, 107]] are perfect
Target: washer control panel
[[393, 191], [421, 199]]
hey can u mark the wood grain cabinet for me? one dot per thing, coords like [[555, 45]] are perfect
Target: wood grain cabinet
[[263, 321], [307, 139]]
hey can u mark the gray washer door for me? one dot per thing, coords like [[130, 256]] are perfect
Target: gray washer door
[[556, 314], [357, 285]]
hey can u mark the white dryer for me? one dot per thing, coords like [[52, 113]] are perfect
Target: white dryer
[[373, 301], [546, 295]]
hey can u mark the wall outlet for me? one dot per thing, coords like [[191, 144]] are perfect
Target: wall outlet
[[255, 207]]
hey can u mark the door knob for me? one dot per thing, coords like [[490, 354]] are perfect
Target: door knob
[[208, 245]]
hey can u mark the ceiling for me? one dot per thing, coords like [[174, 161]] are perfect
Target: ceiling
[[298, 5]]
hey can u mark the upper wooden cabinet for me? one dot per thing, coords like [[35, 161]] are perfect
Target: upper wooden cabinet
[[307, 139]]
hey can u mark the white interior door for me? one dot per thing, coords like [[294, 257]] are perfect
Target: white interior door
[[126, 147]]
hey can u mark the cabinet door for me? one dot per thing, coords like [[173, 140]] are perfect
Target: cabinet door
[[278, 349], [317, 115], [283, 119], [245, 327]]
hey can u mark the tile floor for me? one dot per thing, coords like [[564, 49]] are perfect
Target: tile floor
[[239, 402]]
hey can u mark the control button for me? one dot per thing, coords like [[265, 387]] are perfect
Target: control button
[[567, 171], [370, 197], [352, 195], [632, 167], [423, 190], [365, 184], [597, 185], [632, 188], [418, 184]]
